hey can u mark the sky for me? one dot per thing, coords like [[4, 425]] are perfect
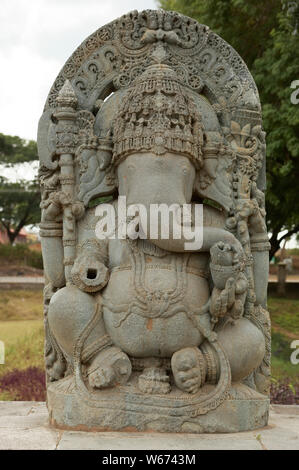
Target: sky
[[36, 39]]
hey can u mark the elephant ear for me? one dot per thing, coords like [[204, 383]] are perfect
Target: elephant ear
[[214, 179], [95, 180], [94, 156], [97, 176]]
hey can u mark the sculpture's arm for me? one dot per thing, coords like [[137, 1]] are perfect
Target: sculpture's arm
[[51, 240], [261, 273], [212, 232], [253, 213]]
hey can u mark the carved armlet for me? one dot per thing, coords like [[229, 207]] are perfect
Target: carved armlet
[[260, 242], [50, 229]]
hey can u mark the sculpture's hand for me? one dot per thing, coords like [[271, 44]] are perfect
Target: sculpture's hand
[[235, 246], [225, 254], [256, 222], [89, 274], [223, 300], [252, 212]]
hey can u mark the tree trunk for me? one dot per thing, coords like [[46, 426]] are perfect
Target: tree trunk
[[273, 249], [11, 236], [275, 243]]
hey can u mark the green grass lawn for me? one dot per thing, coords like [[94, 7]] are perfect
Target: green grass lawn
[[24, 345], [285, 328], [21, 304], [285, 315], [281, 366], [21, 328]]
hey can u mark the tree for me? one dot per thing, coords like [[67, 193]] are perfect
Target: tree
[[19, 201], [14, 150], [265, 35], [19, 206], [243, 24], [274, 73]]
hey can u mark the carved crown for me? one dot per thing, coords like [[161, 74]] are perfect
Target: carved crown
[[158, 115]]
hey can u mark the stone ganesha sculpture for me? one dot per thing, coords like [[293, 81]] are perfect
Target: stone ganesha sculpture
[[144, 312], [150, 316]]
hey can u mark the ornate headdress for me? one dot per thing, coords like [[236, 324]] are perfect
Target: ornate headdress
[[158, 115]]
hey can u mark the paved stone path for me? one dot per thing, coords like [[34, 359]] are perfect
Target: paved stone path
[[289, 278], [21, 279], [24, 425]]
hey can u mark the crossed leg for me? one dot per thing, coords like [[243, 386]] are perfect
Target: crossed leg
[[70, 310]]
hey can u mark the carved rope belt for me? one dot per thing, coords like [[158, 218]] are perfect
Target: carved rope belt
[[189, 270]]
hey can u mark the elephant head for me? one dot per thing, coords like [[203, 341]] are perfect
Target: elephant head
[[163, 136]]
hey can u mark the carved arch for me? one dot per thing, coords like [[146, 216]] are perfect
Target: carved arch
[[114, 55]]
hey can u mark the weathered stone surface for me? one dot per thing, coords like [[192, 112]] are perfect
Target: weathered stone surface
[[24, 425], [283, 430], [122, 409], [18, 408], [115, 441], [21, 433], [149, 331]]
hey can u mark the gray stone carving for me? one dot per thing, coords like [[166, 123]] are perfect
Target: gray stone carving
[[141, 334]]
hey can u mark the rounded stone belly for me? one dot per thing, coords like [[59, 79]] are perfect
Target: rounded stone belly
[[148, 333]]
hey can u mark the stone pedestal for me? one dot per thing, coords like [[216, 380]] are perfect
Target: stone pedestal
[[126, 409]]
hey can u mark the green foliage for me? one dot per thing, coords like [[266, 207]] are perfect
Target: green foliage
[[15, 150], [274, 73], [19, 202], [241, 23], [19, 205], [263, 33], [21, 254], [293, 251]]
